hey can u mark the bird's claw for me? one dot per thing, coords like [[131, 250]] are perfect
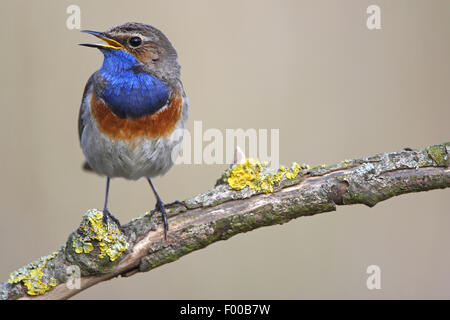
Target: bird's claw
[[161, 208], [107, 214], [176, 202]]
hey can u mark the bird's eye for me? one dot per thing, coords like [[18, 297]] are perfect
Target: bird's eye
[[135, 41]]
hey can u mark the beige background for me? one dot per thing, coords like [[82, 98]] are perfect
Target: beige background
[[310, 68]]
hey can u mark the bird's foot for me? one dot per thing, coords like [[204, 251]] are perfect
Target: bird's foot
[[107, 214], [161, 208], [176, 202]]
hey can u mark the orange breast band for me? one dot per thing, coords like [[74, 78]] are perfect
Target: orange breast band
[[159, 124]]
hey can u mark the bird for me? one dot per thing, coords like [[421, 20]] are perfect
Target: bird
[[134, 108]]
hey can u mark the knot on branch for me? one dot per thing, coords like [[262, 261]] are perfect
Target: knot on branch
[[97, 243]]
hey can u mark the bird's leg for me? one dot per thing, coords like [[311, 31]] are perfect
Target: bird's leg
[[105, 207], [160, 207]]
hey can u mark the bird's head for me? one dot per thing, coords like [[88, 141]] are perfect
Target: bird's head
[[139, 47]]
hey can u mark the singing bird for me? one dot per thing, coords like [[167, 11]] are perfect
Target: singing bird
[[134, 108]]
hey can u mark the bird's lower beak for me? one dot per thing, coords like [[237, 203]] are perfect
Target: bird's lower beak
[[110, 43]]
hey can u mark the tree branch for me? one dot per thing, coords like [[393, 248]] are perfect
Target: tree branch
[[101, 250]]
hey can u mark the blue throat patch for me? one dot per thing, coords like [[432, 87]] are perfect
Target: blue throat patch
[[130, 93]]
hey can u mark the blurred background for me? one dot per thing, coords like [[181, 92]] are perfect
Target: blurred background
[[312, 69]]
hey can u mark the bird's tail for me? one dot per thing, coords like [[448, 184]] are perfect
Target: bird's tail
[[87, 167]]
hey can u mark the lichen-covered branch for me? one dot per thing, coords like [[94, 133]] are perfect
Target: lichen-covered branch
[[248, 196]]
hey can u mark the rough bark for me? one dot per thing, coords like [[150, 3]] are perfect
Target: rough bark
[[102, 250]]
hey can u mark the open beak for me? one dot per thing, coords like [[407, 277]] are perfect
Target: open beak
[[110, 43]]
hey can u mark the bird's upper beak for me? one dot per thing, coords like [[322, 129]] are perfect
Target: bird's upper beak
[[110, 43]]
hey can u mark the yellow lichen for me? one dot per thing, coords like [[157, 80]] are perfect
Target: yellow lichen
[[244, 174], [345, 163], [33, 277], [256, 176], [439, 154], [110, 241], [52, 282], [294, 171]]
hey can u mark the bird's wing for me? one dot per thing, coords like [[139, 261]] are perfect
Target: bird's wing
[[81, 123], [83, 106]]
